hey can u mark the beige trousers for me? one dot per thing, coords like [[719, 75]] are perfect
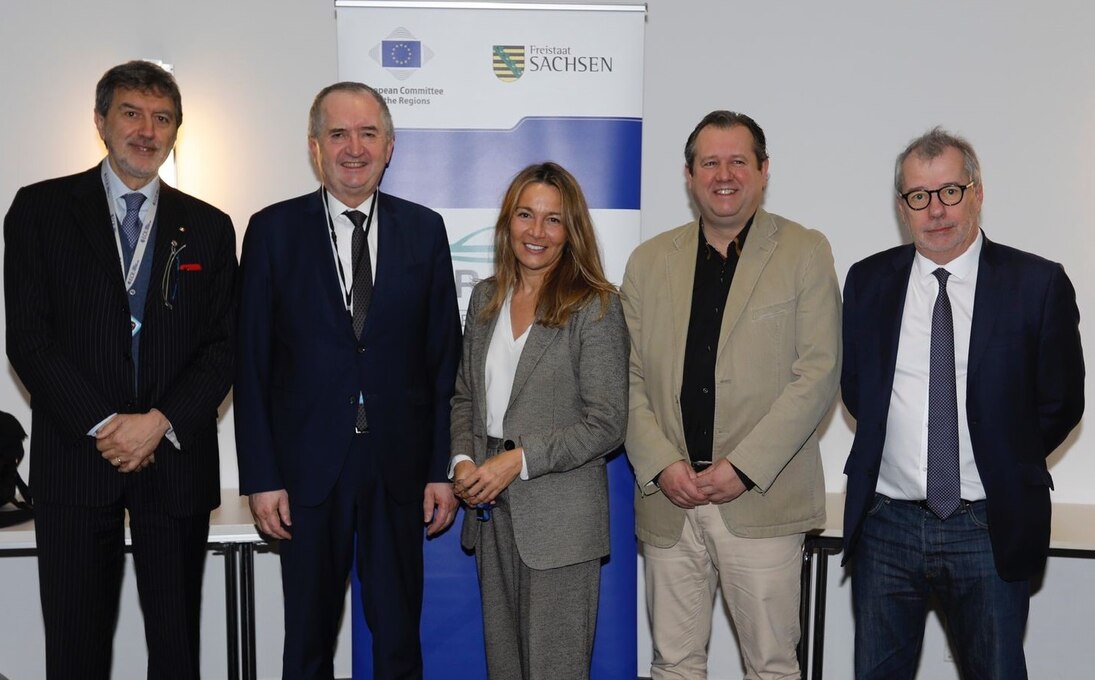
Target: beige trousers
[[760, 580]]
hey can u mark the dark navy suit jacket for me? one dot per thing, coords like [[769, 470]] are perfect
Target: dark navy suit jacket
[[301, 369], [1024, 388]]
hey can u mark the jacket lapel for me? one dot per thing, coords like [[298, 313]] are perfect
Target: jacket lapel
[[91, 216], [759, 247], [171, 232], [315, 235], [680, 275], [891, 290], [393, 255], [992, 290], [539, 339], [483, 332]]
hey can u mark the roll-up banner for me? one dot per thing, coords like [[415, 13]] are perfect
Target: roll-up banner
[[478, 91]]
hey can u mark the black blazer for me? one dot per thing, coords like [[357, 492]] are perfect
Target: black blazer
[[68, 338], [1024, 388], [300, 369]]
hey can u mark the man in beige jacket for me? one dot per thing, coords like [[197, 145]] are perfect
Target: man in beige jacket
[[735, 360]]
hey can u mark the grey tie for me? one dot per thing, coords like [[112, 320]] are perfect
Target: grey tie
[[944, 475], [363, 289], [131, 223]]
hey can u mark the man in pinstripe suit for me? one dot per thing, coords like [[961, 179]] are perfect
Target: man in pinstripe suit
[[119, 321]]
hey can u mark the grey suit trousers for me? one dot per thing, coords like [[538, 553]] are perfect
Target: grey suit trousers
[[538, 624]]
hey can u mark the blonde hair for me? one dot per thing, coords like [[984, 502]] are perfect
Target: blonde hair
[[578, 275]]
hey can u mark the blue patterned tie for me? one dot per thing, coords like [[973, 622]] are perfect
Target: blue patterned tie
[[131, 224], [944, 475]]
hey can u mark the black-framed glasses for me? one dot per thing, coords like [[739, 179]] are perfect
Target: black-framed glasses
[[949, 194]]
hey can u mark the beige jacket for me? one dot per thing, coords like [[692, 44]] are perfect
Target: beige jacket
[[776, 374]]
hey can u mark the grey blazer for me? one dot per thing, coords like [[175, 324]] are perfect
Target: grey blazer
[[568, 409]]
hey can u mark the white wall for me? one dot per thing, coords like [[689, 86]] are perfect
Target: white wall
[[838, 87]]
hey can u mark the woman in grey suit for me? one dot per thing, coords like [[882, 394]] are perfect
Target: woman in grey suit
[[541, 398]]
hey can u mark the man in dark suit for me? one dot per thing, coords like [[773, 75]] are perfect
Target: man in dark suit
[[119, 322], [349, 340], [964, 371]]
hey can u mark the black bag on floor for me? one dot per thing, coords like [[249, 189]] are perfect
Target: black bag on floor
[[11, 453]]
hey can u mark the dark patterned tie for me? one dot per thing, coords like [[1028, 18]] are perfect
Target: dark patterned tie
[[131, 223], [944, 475], [363, 289]]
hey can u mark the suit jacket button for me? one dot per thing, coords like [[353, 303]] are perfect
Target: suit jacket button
[[361, 349], [509, 445]]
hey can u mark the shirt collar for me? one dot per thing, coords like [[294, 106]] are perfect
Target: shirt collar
[[118, 188], [960, 267], [337, 207], [739, 239]]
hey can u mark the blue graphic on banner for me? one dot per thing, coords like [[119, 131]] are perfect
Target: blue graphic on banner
[[614, 647], [604, 154], [452, 617], [477, 246], [401, 53]]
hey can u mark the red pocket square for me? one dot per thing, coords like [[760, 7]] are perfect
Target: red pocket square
[[191, 267]]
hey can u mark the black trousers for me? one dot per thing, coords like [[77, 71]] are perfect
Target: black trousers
[[81, 554], [315, 565]]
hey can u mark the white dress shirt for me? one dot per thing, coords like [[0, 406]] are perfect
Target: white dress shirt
[[503, 355], [344, 233], [342, 245], [903, 473], [117, 189]]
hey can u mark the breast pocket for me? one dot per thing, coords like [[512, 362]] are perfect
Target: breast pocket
[[770, 322]]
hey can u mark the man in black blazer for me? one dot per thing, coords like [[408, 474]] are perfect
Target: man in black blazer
[[119, 323], [964, 371], [349, 340]]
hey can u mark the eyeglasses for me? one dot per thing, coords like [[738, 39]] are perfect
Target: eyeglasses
[[949, 194]]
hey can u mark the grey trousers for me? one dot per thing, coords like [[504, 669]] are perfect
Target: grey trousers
[[538, 624]]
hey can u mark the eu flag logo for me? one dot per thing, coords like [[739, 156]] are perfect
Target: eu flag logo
[[401, 53]]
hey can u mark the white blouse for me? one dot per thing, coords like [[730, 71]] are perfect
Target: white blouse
[[503, 354]]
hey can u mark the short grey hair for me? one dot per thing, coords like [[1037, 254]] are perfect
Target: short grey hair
[[315, 114], [142, 76], [931, 145]]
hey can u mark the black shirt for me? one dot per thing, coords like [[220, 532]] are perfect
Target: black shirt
[[714, 275]]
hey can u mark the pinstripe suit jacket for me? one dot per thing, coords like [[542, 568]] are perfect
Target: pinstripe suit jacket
[[568, 409], [68, 338]]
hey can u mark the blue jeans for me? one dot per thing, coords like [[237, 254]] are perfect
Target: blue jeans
[[905, 556]]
